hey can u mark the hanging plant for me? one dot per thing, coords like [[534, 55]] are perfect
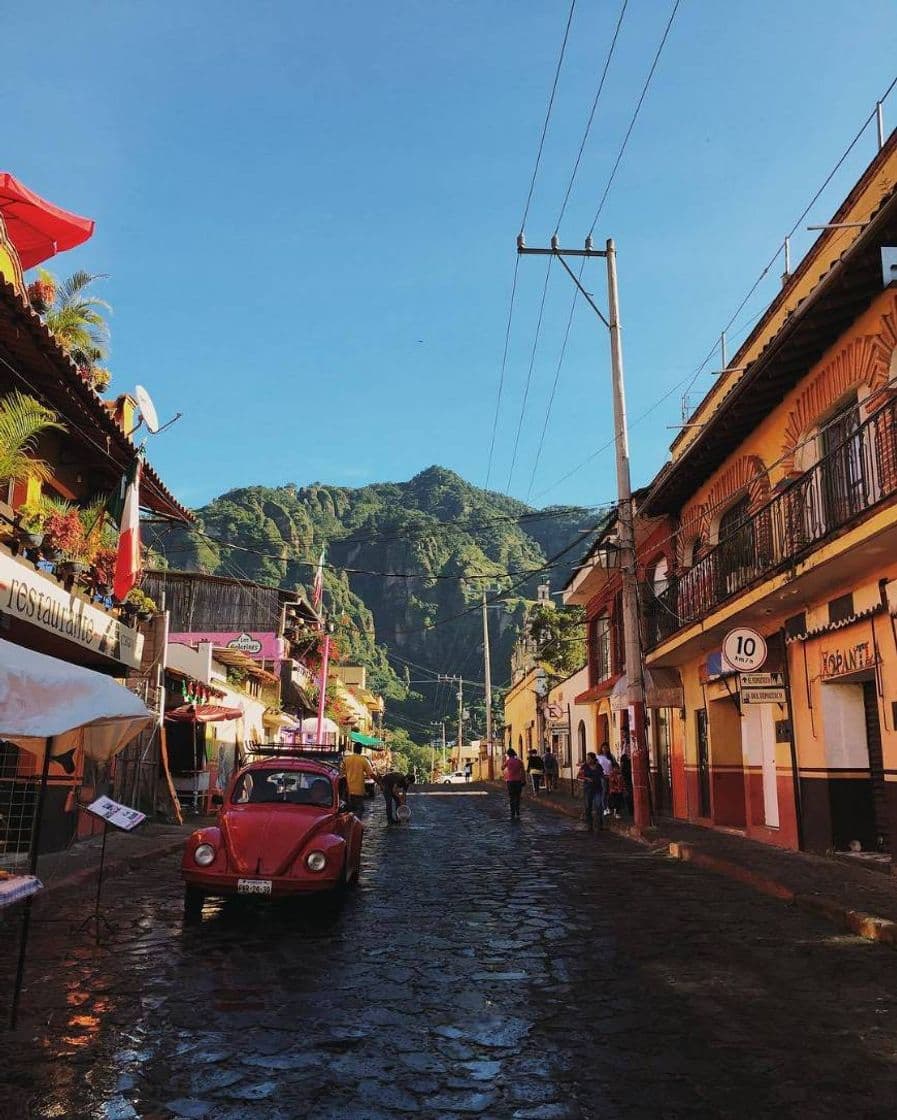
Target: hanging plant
[[42, 293]]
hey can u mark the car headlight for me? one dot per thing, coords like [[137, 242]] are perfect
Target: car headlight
[[204, 854], [315, 861]]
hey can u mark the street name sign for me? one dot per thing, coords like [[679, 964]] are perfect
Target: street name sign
[[761, 680], [744, 650], [763, 696]]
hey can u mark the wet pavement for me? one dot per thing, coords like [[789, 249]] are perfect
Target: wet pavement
[[514, 972]]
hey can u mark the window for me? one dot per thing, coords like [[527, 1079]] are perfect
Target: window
[[581, 738], [601, 648], [840, 609], [844, 471], [735, 548]]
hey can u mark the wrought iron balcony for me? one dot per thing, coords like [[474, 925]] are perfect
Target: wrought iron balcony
[[847, 482]]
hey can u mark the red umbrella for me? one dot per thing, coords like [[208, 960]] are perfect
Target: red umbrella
[[37, 228]]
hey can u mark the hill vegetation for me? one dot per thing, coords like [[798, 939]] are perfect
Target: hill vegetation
[[436, 528]]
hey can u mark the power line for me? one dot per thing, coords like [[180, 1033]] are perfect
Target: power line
[[554, 386], [794, 228], [554, 86], [638, 109], [529, 375], [588, 128], [501, 375]]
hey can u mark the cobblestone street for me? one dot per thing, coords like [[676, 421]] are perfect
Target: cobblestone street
[[533, 972]]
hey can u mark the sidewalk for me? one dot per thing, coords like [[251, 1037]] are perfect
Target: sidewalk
[[125, 851], [855, 898]]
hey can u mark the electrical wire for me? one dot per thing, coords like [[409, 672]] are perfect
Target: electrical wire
[[529, 375], [589, 122], [638, 109], [501, 375], [794, 228], [554, 86], [554, 387]]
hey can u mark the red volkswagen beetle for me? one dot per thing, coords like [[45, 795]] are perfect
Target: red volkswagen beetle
[[283, 829]]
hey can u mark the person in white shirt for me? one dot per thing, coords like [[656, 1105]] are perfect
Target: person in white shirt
[[606, 762]]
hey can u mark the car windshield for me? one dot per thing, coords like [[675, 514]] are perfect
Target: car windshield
[[293, 787]]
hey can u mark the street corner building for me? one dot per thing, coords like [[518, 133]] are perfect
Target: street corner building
[[56, 574], [781, 501]]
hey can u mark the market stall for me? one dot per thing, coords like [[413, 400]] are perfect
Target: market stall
[[52, 711]]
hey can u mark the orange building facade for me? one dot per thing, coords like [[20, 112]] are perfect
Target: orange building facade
[[783, 499]]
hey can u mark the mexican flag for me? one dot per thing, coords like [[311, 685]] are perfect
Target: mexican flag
[[127, 564]]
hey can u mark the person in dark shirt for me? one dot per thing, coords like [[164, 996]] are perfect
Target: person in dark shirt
[[395, 786], [535, 767]]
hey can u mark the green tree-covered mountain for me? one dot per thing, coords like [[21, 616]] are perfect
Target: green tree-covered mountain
[[436, 526]]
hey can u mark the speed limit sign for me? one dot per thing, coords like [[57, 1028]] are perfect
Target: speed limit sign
[[744, 650]]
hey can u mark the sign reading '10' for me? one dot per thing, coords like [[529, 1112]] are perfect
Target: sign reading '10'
[[744, 649]]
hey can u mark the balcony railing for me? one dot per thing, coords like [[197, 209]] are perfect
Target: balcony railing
[[845, 483]]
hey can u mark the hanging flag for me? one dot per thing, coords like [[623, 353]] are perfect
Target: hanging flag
[[127, 563], [317, 594]]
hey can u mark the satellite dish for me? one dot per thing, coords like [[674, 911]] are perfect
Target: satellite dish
[[147, 408]]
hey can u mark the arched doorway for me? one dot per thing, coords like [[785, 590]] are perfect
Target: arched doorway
[[603, 730]]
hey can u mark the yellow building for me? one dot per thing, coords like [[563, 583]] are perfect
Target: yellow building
[[783, 492]]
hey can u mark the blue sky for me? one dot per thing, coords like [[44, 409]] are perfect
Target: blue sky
[[307, 212]]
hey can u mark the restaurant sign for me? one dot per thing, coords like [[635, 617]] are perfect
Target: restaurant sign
[[35, 598], [262, 644], [845, 662]]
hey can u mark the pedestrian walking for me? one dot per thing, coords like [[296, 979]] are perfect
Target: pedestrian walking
[[592, 777], [514, 775], [468, 771], [535, 767], [615, 790], [626, 769], [607, 762], [356, 767], [550, 763], [395, 786]]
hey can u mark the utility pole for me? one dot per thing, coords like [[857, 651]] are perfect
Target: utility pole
[[443, 746], [487, 678], [460, 718], [626, 530]]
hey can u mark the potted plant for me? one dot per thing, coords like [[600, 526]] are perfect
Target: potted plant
[[64, 542], [140, 604], [102, 570], [30, 519]]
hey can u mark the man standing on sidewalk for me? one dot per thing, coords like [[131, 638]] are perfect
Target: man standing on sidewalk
[[551, 770], [356, 768], [592, 777], [535, 767]]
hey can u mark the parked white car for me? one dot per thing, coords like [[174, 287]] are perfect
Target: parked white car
[[458, 778]]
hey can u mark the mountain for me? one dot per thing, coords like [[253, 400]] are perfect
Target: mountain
[[435, 525]]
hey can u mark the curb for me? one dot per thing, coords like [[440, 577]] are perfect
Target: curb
[[120, 863], [871, 927]]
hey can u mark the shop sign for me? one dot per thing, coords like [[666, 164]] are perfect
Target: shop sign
[[31, 596], [844, 662], [263, 644], [744, 650]]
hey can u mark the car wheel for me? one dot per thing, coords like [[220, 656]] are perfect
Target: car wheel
[[193, 904], [446, 781]]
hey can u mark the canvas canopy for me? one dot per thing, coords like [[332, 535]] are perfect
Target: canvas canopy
[[37, 228], [310, 726], [44, 698], [365, 740], [203, 713]]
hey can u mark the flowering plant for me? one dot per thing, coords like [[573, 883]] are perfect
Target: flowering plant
[[104, 566], [63, 532], [42, 293]]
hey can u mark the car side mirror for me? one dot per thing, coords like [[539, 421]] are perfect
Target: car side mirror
[[217, 800]]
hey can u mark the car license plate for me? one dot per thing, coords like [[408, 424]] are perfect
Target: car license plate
[[253, 886]]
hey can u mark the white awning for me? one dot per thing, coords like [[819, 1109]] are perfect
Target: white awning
[[44, 698], [663, 689]]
